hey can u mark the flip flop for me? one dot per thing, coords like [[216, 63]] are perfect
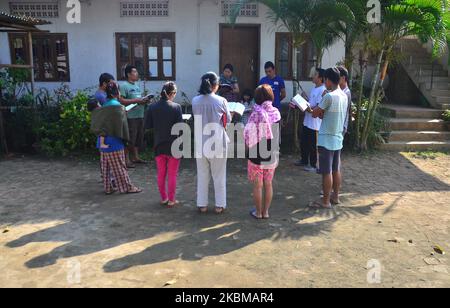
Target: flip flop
[[220, 210], [253, 214], [318, 205], [134, 191], [172, 204], [203, 210]]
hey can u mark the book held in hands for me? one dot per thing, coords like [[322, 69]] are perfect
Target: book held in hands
[[236, 108], [301, 103]]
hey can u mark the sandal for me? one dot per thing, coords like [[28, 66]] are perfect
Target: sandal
[[164, 203], [319, 205], [203, 210], [253, 213], [334, 201], [220, 210], [172, 204], [134, 190]]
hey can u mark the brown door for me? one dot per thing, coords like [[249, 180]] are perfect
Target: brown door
[[239, 46]]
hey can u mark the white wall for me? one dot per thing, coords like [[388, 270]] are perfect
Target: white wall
[[92, 43]]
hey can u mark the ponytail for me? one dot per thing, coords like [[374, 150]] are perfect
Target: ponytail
[[209, 81], [168, 89]]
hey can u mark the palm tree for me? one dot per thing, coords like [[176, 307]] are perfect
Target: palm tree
[[425, 19], [305, 20]]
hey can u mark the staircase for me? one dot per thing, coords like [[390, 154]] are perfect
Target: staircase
[[430, 77], [416, 129]]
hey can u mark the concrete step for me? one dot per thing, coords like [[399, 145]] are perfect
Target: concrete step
[[442, 99], [422, 136], [444, 106], [440, 92], [436, 85], [423, 66], [416, 146], [418, 124], [427, 79], [410, 112]]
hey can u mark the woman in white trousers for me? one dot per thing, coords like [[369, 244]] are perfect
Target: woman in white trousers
[[211, 116]]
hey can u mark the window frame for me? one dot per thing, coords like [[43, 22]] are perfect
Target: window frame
[[53, 37], [146, 37], [304, 76]]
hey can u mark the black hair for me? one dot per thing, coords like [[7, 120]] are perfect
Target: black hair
[[129, 69], [168, 88], [209, 81], [112, 90], [343, 72], [269, 65], [228, 66], [105, 78], [321, 73], [247, 92], [333, 75]]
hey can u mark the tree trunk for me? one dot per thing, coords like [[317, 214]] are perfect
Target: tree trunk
[[360, 101], [372, 103]]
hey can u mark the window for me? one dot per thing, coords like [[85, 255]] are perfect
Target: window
[[50, 55], [284, 54], [145, 9], [247, 10], [35, 9], [152, 53]]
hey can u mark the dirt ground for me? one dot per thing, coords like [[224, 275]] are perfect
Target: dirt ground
[[57, 228]]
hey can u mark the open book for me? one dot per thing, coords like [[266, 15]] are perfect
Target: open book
[[301, 103], [187, 117], [130, 107], [236, 108]]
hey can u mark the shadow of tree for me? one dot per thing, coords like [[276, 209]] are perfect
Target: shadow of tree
[[91, 222]]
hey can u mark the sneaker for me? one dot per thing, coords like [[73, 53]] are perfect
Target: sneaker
[[310, 169]]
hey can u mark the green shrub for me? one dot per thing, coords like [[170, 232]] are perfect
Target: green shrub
[[446, 115], [71, 132]]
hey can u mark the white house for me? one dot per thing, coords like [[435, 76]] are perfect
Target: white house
[[167, 39]]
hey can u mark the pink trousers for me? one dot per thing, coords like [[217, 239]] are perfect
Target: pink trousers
[[168, 167]]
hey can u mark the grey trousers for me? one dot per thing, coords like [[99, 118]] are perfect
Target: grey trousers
[[217, 168]]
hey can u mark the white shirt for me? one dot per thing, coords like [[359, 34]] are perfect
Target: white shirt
[[314, 100]]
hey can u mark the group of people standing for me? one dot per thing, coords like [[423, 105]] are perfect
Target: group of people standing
[[119, 140]]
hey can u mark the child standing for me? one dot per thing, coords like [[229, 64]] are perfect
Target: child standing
[[161, 117], [262, 146], [249, 103]]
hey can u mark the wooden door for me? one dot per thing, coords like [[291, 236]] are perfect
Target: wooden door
[[239, 46]]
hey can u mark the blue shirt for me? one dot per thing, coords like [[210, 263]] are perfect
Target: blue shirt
[[115, 144], [331, 134], [101, 97], [277, 85]]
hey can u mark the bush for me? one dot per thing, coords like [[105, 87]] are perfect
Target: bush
[[71, 132], [446, 115]]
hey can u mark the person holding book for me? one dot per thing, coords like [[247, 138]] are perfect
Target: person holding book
[[262, 150], [343, 83], [333, 111], [211, 117], [311, 126], [109, 123], [132, 95], [229, 85], [161, 117]]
